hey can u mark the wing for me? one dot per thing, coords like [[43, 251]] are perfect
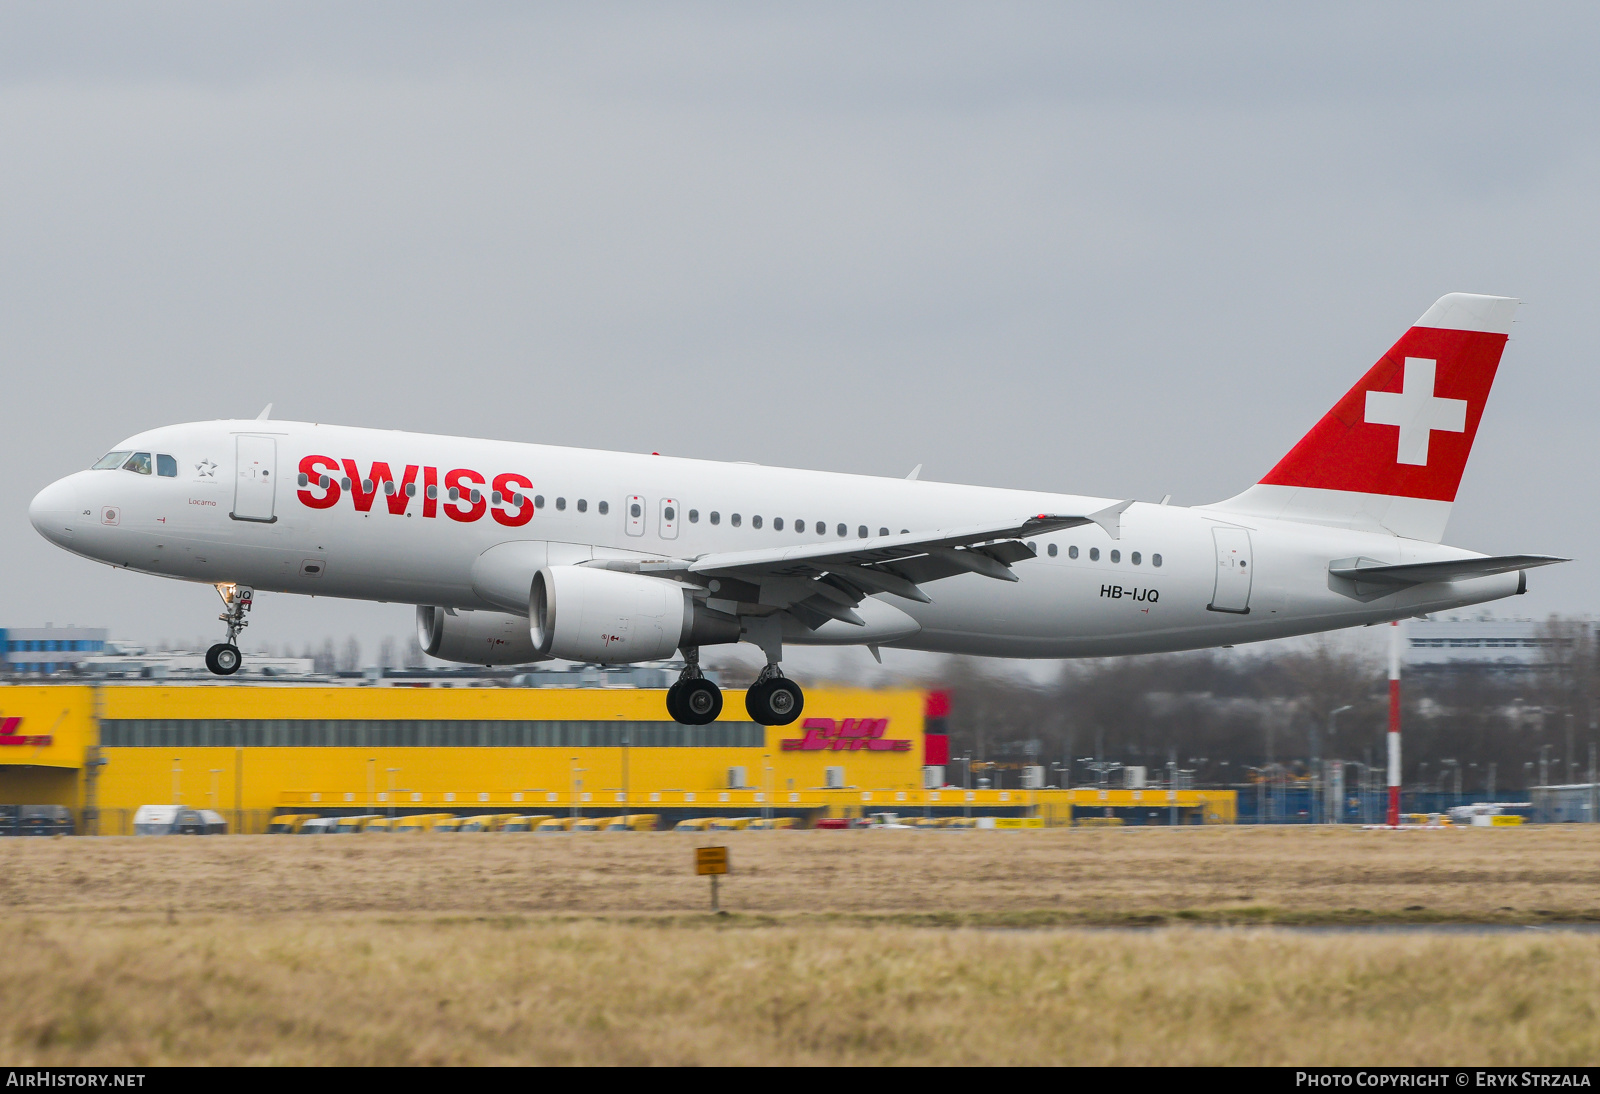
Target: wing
[[817, 582]]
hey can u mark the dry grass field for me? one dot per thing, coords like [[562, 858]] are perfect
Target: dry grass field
[[842, 947]]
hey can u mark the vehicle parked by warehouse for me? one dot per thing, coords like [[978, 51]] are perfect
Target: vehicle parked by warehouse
[[421, 822], [285, 824], [634, 822], [318, 826], [346, 825], [771, 823], [486, 822], [525, 823], [44, 820], [556, 824]]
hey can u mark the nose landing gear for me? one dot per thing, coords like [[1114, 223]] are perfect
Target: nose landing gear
[[694, 700], [224, 658]]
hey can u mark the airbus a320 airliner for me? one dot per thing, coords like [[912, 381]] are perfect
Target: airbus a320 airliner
[[521, 552]]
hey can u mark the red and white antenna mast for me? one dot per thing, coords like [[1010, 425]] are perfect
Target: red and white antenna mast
[[1394, 724]]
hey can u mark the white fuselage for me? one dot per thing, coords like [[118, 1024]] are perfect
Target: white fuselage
[[1094, 596]]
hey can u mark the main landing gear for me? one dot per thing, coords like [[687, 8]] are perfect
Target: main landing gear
[[224, 659], [774, 699], [694, 700]]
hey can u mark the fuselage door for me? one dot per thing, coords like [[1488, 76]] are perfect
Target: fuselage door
[[1232, 592], [255, 478], [669, 518], [633, 512]]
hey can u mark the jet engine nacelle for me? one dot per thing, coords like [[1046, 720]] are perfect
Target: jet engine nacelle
[[585, 613], [475, 638]]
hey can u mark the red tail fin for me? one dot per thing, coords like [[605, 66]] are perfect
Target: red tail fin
[[1389, 456]]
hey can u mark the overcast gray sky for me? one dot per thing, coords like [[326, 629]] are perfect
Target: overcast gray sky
[[1121, 249]]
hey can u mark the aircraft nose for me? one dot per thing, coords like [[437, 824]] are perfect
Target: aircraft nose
[[52, 511]]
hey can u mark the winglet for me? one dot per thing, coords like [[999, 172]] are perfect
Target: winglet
[[1110, 518], [266, 412], [915, 471]]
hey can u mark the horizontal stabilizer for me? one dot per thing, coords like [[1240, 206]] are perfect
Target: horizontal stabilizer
[[1417, 573]]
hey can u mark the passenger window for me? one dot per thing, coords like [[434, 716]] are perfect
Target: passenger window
[[1134, 558], [583, 505], [1094, 554], [474, 497], [605, 507], [389, 489], [166, 466], [561, 504], [411, 491], [694, 516], [1051, 550], [139, 462], [495, 498], [455, 494], [1116, 556], [344, 483], [516, 499], [734, 520], [905, 531], [799, 526], [305, 479], [635, 510], [366, 486], [843, 531], [861, 533], [883, 531], [822, 527], [777, 524], [669, 514], [1072, 552], [1034, 547], [538, 499], [755, 521], [110, 461], [433, 492]]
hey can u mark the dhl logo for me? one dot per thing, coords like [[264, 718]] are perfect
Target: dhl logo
[[845, 735], [466, 494], [10, 736]]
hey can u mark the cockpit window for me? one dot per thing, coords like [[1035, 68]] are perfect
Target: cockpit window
[[140, 462], [166, 466], [111, 461]]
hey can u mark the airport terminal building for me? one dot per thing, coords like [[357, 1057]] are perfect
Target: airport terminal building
[[250, 751]]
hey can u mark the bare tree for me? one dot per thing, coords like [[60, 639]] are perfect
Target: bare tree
[[350, 657], [326, 660]]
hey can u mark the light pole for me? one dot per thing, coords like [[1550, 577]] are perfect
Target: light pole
[[624, 770], [1316, 756], [577, 786]]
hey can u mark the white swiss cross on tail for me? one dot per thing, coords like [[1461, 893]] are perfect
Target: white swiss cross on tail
[[1416, 410]]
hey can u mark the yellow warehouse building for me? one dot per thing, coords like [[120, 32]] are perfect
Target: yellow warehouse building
[[249, 751]]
